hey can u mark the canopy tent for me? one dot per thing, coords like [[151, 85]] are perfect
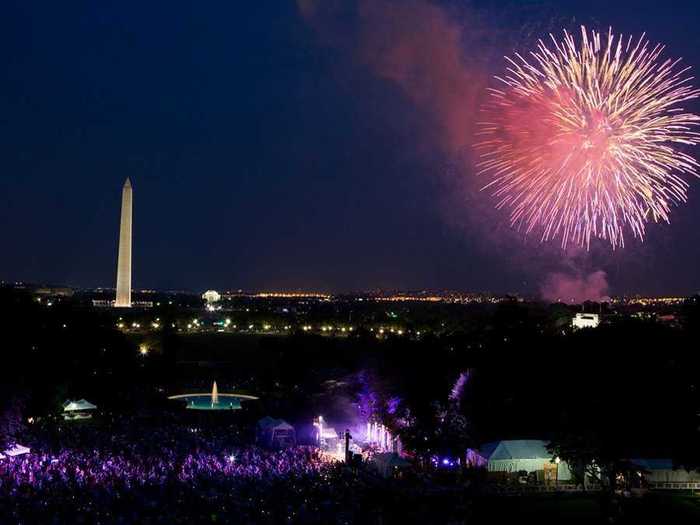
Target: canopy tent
[[529, 455], [77, 409], [663, 471], [15, 450], [276, 432], [81, 404], [387, 463]]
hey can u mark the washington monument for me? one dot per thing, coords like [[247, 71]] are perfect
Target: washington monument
[[124, 261]]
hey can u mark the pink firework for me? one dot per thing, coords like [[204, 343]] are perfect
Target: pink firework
[[585, 139]]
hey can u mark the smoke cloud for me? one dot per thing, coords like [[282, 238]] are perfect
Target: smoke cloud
[[416, 46], [575, 289]]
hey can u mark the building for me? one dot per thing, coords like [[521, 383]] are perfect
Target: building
[[211, 296], [124, 258], [110, 303], [54, 291], [585, 321]]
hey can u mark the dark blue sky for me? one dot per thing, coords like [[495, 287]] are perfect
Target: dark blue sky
[[264, 155]]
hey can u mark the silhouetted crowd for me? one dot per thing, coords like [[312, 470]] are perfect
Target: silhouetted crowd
[[166, 475]]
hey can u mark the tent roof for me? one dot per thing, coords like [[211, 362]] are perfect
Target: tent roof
[[268, 423], [15, 450], [81, 404], [515, 449], [390, 459], [653, 464]]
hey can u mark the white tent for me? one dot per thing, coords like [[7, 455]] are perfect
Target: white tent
[[81, 404], [77, 409], [276, 432], [529, 455], [16, 450], [662, 471], [387, 463]]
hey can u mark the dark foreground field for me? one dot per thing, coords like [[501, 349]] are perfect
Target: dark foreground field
[[666, 508]]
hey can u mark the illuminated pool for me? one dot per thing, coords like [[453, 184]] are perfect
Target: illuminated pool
[[213, 400]]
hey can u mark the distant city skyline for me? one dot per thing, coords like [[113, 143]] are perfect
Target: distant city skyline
[[375, 295]]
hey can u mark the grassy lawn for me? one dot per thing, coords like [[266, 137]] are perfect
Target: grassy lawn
[[667, 507], [541, 509], [660, 508]]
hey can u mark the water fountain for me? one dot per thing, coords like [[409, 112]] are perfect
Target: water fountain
[[213, 400], [214, 394]]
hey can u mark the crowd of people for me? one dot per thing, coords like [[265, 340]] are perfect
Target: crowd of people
[[96, 487], [125, 473], [94, 468]]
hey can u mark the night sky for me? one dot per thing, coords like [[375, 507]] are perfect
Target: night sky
[[274, 145]]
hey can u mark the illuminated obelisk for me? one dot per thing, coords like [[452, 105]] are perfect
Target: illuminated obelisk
[[124, 261]]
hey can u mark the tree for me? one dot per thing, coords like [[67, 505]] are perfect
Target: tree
[[632, 395], [11, 420]]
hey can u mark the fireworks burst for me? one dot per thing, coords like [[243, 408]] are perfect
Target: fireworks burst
[[585, 139]]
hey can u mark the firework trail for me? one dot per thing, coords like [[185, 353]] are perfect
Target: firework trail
[[583, 139], [458, 387]]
